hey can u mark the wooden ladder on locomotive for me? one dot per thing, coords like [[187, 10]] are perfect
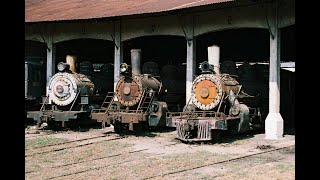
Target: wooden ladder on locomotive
[[146, 100]]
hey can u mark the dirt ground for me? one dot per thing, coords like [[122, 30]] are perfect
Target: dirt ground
[[102, 154]]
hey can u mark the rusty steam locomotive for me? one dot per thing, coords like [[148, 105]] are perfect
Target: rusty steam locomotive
[[136, 102], [70, 97], [216, 104]]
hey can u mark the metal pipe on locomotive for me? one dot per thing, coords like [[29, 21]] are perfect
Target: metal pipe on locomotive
[[136, 102], [216, 105], [67, 98]]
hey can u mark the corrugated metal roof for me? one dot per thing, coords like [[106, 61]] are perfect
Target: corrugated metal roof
[[55, 10]]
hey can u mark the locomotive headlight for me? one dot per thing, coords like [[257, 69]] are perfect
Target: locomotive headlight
[[123, 67], [62, 66], [205, 66]]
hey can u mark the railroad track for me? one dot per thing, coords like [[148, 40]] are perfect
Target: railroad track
[[45, 133], [40, 135], [160, 175], [105, 157], [61, 143], [75, 146], [219, 162]]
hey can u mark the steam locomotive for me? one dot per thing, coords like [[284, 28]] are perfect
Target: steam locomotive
[[70, 97], [218, 103], [137, 101]]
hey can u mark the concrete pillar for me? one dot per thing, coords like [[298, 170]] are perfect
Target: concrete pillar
[[51, 58], [274, 121], [118, 51], [191, 55]]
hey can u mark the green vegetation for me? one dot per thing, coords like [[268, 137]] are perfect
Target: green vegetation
[[33, 143]]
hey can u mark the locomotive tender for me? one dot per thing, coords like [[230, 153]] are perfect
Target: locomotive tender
[[136, 102], [216, 105], [34, 84], [68, 96]]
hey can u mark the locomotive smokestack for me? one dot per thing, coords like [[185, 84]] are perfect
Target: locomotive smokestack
[[136, 61], [71, 60], [214, 57]]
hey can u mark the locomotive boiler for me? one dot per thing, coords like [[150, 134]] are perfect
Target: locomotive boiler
[[67, 98], [215, 105], [136, 102]]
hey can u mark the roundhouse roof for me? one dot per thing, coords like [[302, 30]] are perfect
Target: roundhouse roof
[[57, 10]]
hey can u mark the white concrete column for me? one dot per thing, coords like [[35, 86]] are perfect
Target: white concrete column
[[118, 51], [274, 121], [51, 57], [191, 67], [191, 55]]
